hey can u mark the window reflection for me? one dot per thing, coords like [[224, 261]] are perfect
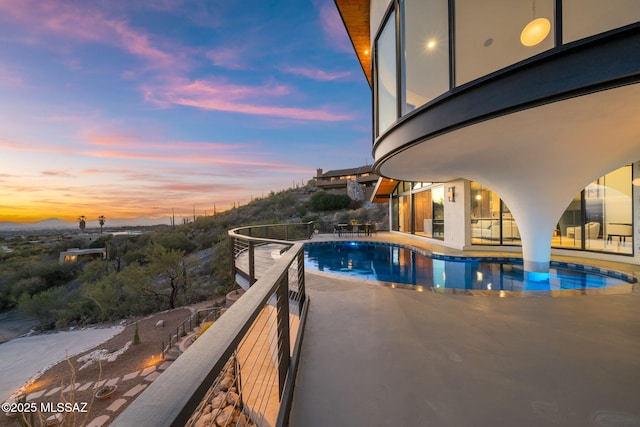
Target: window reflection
[[386, 75], [491, 220], [425, 59], [488, 34], [600, 217], [584, 18]]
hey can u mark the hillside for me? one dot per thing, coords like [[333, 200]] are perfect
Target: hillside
[[162, 268]]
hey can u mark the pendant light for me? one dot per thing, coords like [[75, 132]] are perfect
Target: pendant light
[[535, 31]]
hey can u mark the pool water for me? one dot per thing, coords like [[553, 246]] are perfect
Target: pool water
[[395, 264]]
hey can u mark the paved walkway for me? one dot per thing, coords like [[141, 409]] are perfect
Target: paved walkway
[[131, 385], [378, 356], [22, 358]]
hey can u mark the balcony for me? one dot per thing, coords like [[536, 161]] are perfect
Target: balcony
[[377, 355]]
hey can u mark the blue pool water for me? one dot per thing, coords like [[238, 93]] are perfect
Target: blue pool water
[[394, 264]]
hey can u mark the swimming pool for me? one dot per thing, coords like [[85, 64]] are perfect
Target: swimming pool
[[399, 265]]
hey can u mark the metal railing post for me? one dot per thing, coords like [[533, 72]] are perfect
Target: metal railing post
[[282, 323], [252, 263], [301, 281], [233, 257]]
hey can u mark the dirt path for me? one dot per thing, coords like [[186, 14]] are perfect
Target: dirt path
[[15, 323]]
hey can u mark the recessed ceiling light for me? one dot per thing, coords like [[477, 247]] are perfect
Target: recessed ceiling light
[[431, 44]]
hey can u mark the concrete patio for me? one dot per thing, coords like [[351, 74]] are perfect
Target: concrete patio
[[378, 356]]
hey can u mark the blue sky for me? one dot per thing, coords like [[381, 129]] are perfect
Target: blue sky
[[129, 109]]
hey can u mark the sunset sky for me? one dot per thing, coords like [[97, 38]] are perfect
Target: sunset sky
[[132, 108]]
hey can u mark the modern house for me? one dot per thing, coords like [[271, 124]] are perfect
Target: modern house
[[338, 180], [75, 254], [510, 125]]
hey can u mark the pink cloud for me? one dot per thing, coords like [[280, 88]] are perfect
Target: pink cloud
[[233, 58], [59, 172], [222, 96], [333, 28], [317, 74], [83, 24], [10, 78]]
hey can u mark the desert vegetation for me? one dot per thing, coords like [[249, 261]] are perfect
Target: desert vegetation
[[162, 268]]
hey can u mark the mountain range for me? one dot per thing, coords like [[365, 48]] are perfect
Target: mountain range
[[56, 224]]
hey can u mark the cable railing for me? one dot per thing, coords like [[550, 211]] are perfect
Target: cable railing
[[241, 370]]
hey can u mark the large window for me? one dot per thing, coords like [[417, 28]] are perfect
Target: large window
[[600, 217], [488, 34], [437, 196], [386, 75], [425, 58], [491, 220], [418, 208], [584, 18]]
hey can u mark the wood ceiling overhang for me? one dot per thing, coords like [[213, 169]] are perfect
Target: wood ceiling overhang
[[383, 190], [355, 16]]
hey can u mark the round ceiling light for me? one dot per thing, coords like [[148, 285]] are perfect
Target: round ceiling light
[[535, 32]]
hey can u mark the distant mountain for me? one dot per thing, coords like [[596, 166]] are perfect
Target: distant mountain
[[58, 224]]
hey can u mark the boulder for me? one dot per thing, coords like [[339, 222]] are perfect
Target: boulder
[[233, 398], [226, 416]]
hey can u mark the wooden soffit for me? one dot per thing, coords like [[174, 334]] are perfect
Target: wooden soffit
[[355, 16], [383, 190]]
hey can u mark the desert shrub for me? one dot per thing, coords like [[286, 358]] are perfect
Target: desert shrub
[[323, 201], [177, 241], [45, 306]]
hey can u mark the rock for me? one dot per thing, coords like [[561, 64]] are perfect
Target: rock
[[225, 417], [226, 383], [160, 323], [233, 398], [218, 401], [203, 421], [243, 420]]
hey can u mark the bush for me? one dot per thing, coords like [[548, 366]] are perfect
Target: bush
[[323, 201]]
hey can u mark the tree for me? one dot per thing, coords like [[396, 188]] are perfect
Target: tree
[[101, 221], [83, 223], [165, 274]]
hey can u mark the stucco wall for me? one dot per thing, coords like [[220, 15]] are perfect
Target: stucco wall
[[455, 215]]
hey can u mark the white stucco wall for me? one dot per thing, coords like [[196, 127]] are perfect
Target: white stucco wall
[[456, 214]]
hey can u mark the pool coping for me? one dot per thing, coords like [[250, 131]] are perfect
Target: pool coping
[[630, 286]]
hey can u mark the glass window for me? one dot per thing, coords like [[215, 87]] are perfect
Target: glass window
[[485, 216], [510, 232], [570, 221], [488, 34], [600, 217], [425, 45], [386, 75], [584, 18], [395, 212], [491, 220], [437, 195]]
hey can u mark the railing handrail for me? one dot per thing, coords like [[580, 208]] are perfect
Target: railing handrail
[[171, 399]]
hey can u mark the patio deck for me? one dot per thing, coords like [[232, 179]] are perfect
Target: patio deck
[[377, 356]]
